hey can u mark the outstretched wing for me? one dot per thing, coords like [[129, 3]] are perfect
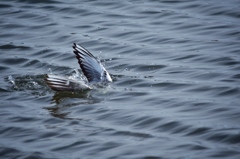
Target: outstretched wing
[[91, 67], [59, 83]]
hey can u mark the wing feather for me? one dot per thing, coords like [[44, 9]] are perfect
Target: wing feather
[[59, 83], [90, 66]]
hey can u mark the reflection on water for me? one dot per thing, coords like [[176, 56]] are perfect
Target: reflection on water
[[62, 102], [58, 97], [175, 67]]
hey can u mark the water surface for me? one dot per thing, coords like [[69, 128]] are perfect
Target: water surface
[[175, 66]]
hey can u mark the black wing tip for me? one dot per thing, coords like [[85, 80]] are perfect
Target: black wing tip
[[74, 46], [76, 52]]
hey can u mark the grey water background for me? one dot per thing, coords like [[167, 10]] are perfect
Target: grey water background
[[175, 66]]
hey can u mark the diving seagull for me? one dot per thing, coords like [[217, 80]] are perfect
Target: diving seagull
[[91, 67]]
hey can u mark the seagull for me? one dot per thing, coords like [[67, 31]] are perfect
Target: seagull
[[91, 67]]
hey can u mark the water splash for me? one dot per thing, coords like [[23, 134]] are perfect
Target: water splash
[[50, 71], [76, 75], [11, 80]]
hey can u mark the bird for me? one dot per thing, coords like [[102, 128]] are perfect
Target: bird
[[91, 67]]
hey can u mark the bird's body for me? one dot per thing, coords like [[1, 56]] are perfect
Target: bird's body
[[91, 68]]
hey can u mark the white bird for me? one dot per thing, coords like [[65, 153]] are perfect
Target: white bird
[[91, 68]]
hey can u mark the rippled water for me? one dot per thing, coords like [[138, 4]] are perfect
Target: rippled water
[[175, 66]]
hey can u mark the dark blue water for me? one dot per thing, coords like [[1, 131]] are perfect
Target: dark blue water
[[175, 66]]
